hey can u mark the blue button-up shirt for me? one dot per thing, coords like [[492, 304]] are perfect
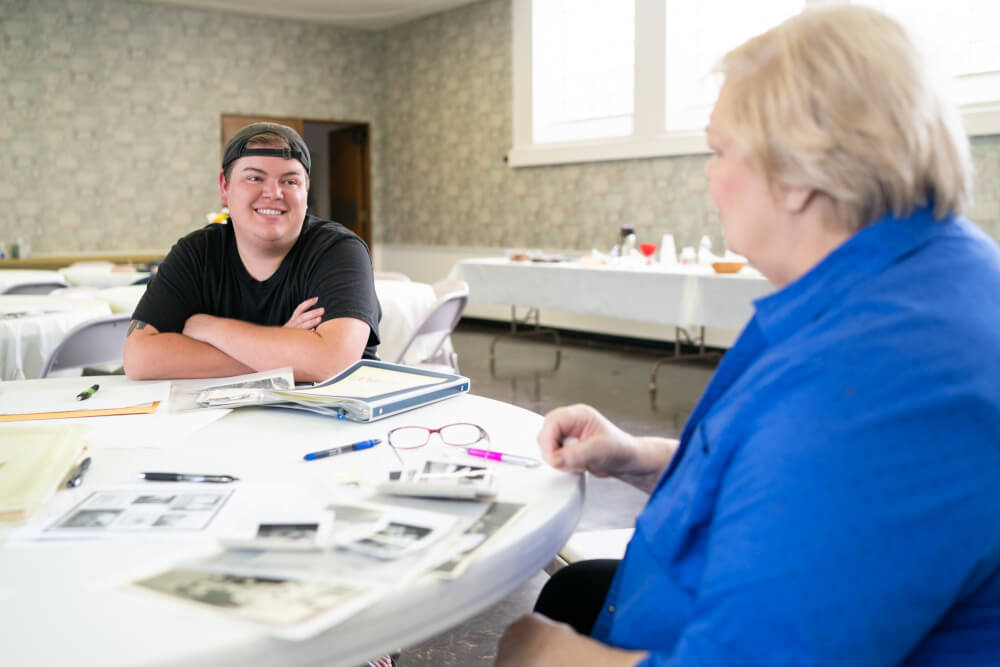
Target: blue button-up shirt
[[836, 496]]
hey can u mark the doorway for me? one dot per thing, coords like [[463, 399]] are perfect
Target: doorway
[[340, 178]]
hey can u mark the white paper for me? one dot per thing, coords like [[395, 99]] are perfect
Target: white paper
[[44, 399], [156, 431]]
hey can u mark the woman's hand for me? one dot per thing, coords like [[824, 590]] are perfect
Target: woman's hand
[[578, 438]]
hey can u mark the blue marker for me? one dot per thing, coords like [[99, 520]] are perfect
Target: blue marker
[[364, 444]]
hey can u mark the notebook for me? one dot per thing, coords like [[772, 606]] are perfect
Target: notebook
[[34, 463], [366, 391]]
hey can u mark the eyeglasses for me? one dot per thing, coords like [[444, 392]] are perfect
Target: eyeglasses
[[462, 434]]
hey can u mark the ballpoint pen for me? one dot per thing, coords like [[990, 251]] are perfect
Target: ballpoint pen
[[322, 454], [186, 477], [88, 392], [77, 475], [525, 461]]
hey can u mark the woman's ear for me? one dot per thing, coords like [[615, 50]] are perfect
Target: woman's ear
[[796, 197]]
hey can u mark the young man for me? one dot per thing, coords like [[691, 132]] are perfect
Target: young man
[[273, 287]]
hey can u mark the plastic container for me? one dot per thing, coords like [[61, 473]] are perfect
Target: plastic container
[[668, 250]]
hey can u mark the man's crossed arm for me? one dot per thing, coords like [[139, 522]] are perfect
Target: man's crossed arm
[[213, 346]]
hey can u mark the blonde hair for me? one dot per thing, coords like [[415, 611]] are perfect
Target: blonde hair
[[838, 99]]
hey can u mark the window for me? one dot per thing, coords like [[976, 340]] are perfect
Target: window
[[619, 79], [962, 35], [693, 53], [581, 90]]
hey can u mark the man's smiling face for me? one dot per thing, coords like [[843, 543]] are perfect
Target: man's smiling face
[[267, 200]]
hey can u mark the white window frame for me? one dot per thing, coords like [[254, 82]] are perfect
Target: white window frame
[[649, 138]]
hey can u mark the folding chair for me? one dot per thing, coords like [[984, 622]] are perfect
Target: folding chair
[[96, 342], [591, 544], [427, 346], [34, 288]]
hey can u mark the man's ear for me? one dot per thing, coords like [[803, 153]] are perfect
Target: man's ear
[[223, 189], [796, 197]]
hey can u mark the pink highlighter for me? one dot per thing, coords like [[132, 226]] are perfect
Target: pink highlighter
[[505, 458]]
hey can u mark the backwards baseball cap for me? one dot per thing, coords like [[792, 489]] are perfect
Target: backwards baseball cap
[[237, 146]]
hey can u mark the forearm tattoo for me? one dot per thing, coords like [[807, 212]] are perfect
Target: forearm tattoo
[[135, 324]]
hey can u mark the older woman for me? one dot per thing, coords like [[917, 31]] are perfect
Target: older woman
[[834, 496]]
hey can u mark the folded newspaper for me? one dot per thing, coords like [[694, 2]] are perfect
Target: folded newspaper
[[365, 391]]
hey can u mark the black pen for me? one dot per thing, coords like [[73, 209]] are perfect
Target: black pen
[[87, 393], [364, 444], [186, 477], [77, 477]]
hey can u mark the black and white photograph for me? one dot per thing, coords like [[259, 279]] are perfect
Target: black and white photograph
[[393, 540], [459, 473], [137, 512], [179, 520], [196, 501], [281, 531], [91, 519], [498, 516], [441, 479], [292, 532], [154, 499], [276, 602], [107, 500]]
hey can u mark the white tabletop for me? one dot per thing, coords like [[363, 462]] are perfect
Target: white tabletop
[[12, 277], [32, 325], [62, 603], [101, 276], [685, 296]]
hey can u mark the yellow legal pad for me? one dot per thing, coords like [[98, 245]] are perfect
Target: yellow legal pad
[[34, 462]]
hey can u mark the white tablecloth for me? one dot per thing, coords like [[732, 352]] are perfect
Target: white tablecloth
[[12, 277], [122, 299], [100, 276], [32, 325], [686, 296]]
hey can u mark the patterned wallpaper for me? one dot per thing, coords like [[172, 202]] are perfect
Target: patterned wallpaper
[[110, 130], [111, 113], [447, 183]]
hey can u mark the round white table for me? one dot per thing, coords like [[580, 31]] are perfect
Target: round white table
[[13, 277], [62, 603], [101, 276], [32, 325]]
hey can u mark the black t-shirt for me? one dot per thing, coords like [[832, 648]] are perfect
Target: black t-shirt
[[203, 273]]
